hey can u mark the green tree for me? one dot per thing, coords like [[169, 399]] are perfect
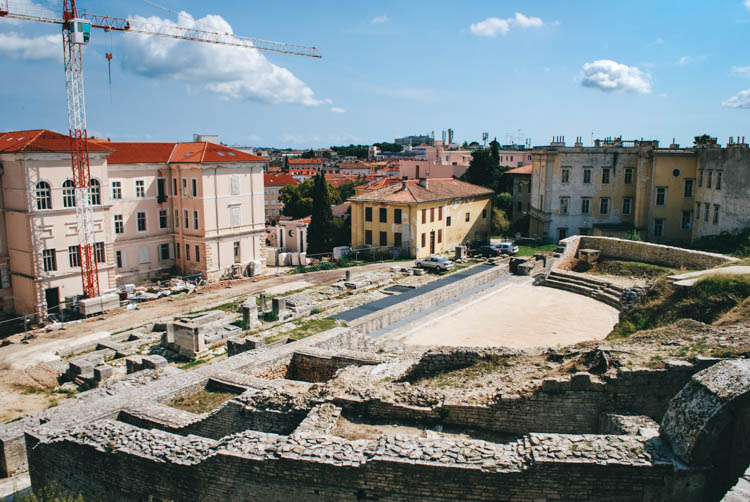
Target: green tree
[[389, 147], [482, 170], [286, 163], [495, 151], [320, 232], [500, 222], [309, 154], [504, 201], [297, 204]]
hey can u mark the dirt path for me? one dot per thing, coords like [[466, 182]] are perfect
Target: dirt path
[[18, 357]]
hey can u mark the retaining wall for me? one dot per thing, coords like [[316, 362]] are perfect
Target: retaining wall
[[389, 315], [623, 249]]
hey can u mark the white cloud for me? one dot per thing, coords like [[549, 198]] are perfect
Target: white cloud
[[380, 19], [494, 26], [336, 109], [739, 100], [747, 4], [685, 59], [28, 8], [611, 76], [33, 48], [743, 71], [230, 72]]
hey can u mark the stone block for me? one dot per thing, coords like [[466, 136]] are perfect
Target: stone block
[[133, 364], [580, 381], [154, 362], [103, 372], [81, 366]]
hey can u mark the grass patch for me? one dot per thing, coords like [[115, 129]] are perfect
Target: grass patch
[[706, 301], [465, 377], [192, 364], [304, 329], [231, 307], [50, 493], [202, 401], [532, 249], [634, 269]]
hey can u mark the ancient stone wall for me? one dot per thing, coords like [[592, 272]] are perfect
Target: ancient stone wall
[[104, 462], [647, 252], [316, 365]]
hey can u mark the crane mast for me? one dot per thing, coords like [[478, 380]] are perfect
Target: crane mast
[[75, 32], [79, 150]]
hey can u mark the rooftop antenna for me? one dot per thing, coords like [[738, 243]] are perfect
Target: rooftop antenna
[[485, 135]]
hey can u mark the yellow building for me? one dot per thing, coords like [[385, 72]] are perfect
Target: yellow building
[[421, 217]]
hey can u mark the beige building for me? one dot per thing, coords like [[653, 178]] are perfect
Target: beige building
[[273, 183], [667, 195], [520, 189], [421, 217], [191, 208]]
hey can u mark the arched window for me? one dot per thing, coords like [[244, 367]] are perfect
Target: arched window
[[95, 192], [69, 193], [43, 195]]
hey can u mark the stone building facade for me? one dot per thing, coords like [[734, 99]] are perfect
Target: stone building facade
[[667, 195], [195, 208]]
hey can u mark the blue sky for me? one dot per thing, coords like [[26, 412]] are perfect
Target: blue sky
[[636, 69]]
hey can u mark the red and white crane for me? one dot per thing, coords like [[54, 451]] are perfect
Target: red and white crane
[[76, 30]]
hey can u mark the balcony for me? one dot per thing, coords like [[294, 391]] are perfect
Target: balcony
[[538, 214]]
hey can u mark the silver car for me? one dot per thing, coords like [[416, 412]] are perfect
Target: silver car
[[435, 262]]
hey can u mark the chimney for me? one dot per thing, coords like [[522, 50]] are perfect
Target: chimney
[[404, 184], [424, 183]]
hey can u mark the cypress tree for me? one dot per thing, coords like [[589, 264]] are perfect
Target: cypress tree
[[321, 229]]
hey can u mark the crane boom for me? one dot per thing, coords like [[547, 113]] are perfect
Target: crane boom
[[109, 23]]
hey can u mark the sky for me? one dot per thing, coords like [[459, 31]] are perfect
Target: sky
[[515, 69]]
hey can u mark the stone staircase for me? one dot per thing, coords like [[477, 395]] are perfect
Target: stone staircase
[[585, 285]]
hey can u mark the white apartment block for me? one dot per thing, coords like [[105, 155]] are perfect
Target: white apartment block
[[159, 209]]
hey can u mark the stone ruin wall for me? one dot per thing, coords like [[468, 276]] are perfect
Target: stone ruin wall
[[624, 249], [257, 466]]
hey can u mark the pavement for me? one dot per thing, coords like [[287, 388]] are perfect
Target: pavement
[[690, 278]]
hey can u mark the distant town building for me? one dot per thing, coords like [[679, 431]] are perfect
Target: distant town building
[[414, 140], [668, 195], [273, 183], [421, 217], [520, 190]]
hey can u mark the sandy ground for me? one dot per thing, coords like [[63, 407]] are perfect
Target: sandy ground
[[515, 315]]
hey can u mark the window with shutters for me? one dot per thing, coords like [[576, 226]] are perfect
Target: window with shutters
[[118, 259], [69, 194], [397, 239], [143, 254], [164, 249], [440, 213], [119, 224], [424, 215], [99, 253], [195, 220], [440, 235], [194, 184], [197, 253], [162, 218], [235, 216], [141, 221], [368, 214], [234, 184], [49, 260], [74, 256], [424, 239], [368, 236], [432, 214], [383, 215], [186, 218], [383, 238], [397, 216]]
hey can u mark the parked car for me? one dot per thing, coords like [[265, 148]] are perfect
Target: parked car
[[486, 251], [507, 248], [435, 262]]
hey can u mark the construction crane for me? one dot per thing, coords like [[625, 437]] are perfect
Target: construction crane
[[76, 32]]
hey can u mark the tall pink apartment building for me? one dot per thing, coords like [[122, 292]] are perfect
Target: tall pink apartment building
[[182, 208]]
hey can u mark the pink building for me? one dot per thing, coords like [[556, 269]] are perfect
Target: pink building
[[273, 183], [193, 207]]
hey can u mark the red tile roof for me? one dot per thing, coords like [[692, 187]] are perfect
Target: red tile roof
[[271, 180], [305, 161], [379, 183], [525, 169], [42, 140], [437, 189]]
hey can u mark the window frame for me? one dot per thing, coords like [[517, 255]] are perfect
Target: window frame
[[140, 189], [116, 189], [69, 193], [368, 213], [43, 195], [138, 221], [49, 260], [119, 223], [604, 201], [628, 175], [587, 176], [585, 205], [629, 201], [663, 192], [74, 256], [383, 214], [605, 176], [163, 218]]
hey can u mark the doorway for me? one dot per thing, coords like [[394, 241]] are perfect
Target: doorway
[[52, 297], [432, 242]]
